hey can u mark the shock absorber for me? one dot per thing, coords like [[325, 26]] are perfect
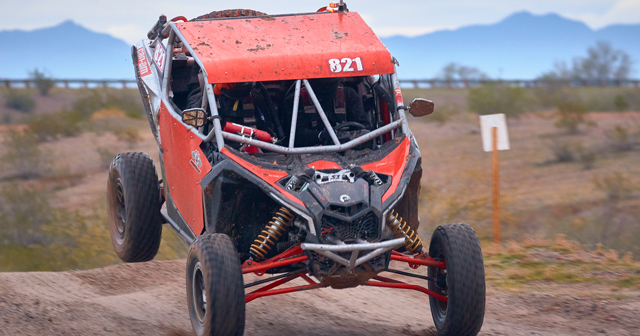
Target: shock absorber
[[400, 229], [271, 234]]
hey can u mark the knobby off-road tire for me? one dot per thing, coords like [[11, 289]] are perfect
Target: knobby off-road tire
[[215, 289], [133, 197], [463, 282]]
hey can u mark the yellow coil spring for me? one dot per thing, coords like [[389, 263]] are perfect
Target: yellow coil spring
[[271, 233], [400, 229]]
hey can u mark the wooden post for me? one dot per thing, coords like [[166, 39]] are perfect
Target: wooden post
[[496, 190]]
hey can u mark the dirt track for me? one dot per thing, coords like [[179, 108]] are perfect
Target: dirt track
[[149, 299]]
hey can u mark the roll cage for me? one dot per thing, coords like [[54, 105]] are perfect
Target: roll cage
[[396, 120]]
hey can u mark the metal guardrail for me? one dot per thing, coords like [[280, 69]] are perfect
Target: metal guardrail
[[414, 83], [458, 83], [70, 83]]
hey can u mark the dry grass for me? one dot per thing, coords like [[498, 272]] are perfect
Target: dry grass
[[560, 261]]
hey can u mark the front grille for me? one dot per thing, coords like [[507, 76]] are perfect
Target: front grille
[[366, 228]]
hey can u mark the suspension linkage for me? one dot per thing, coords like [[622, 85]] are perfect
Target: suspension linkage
[[291, 256], [422, 259], [274, 278]]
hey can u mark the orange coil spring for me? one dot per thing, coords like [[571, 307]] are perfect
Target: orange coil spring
[[271, 234], [400, 229]]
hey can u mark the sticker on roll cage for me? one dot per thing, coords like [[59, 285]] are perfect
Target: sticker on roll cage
[[143, 64], [195, 161], [159, 56], [399, 96], [345, 65]]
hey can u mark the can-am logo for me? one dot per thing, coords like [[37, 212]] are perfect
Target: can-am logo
[[345, 198], [143, 64], [195, 161]]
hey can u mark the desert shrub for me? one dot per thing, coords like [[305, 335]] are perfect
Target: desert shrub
[[550, 92], [52, 126], [443, 113], [106, 157], [42, 81], [98, 100], [568, 151], [570, 115], [22, 157], [563, 151], [587, 157], [620, 103], [619, 139], [616, 186], [129, 135], [493, 98], [20, 100], [23, 213]]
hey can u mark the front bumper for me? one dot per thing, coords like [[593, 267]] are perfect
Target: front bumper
[[376, 249]]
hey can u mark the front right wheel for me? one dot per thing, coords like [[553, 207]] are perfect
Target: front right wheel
[[215, 289], [462, 281]]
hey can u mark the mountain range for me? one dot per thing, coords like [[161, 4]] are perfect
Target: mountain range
[[522, 46], [67, 50]]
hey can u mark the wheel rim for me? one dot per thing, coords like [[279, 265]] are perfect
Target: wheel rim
[[440, 276], [199, 297], [120, 212]]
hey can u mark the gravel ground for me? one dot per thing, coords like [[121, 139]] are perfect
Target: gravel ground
[[149, 299]]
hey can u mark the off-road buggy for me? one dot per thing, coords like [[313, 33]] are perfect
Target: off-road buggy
[[226, 94]]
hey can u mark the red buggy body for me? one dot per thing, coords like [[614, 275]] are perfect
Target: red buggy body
[[226, 99]]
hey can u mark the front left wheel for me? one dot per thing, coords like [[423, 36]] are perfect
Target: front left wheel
[[215, 288], [133, 201]]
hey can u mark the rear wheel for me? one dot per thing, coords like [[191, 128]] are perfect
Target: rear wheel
[[133, 201], [215, 289], [462, 282]]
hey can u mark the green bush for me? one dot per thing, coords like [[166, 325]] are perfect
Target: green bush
[[620, 103], [616, 186], [570, 115], [22, 157], [620, 140], [587, 157], [493, 98], [37, 236], [20, 100], [42, 81], [52, 126], [563, 151], [98, 100]]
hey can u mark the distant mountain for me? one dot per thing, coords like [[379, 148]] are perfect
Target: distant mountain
[[65, 51], [522, 46]]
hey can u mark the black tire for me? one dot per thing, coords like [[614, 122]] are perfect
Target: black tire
[[215, 288], [462, 282], [133, 200]]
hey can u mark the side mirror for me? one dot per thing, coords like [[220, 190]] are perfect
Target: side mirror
[[421, 107], [194, 117]]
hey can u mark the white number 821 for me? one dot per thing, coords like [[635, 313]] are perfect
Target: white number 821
[[336, 65]]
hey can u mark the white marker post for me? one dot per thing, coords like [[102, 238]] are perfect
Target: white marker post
[[494, 138]]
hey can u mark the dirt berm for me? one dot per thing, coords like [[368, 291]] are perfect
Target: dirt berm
[[149, 299]]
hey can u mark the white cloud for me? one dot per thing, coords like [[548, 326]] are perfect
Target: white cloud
[[131, 33]]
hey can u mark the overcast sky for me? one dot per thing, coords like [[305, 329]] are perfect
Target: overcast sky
[[131, 19]]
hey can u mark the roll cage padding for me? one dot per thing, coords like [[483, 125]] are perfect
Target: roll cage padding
[[229, 13]]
